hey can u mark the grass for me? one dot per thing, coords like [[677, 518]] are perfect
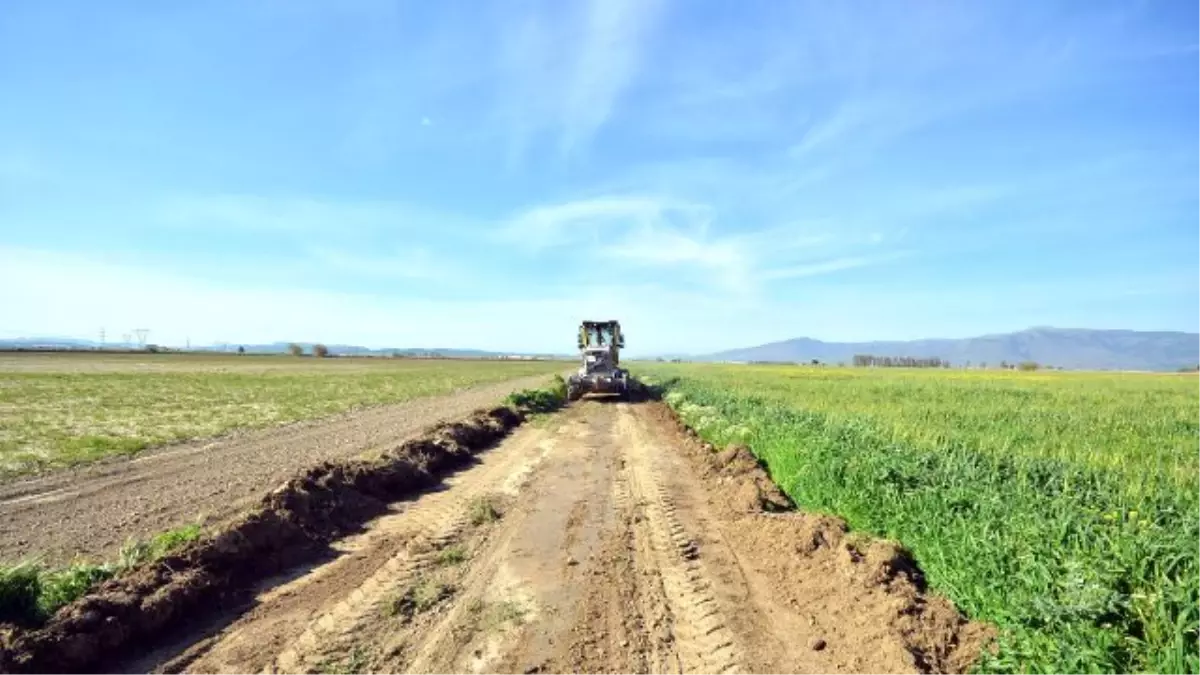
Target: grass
[[65, 409], [1062, 507], [491, 616], [452, 555], [356, 661], [421, 597], [542, 400], [30, 593], [483, 510], [504, 612]]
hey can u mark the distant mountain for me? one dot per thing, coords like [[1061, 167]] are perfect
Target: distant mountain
[[357, 350], [265, 348], [1071, 348], [48, 343]]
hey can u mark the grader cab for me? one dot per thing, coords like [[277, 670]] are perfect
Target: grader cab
[[600, 344]]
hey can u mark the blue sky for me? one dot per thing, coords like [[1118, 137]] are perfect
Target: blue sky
[[486, 174]]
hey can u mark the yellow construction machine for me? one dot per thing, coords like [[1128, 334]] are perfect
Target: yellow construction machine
[[600, 344]]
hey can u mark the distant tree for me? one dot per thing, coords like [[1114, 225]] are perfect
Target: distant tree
[[1004, 365], [815, 362], [983, 364], [295, 349], [153, 349], [320, 351], [241, 349], [1028, 365]]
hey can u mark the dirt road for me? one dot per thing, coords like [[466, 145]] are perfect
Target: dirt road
[[602, 539], [94, 509]]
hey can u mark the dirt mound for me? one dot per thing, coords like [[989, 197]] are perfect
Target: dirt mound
[[859, 588], [752, 490], [292, 524]]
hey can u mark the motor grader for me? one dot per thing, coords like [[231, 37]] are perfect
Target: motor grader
[[600, 344]]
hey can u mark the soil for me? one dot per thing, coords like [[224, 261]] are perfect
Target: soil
[[92, 510], [608, 540]]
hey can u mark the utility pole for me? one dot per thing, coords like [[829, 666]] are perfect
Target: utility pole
[[141, 335], [102, 337]]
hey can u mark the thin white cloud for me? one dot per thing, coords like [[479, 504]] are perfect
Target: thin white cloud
[[849, 119], [65, 294], [659, 246], [562, 223], [563, 71], [682, 241], [74, 295], [862, 126], [607, 63]]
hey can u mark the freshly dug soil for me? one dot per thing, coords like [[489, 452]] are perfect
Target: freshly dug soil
[[607, 538], [292, 524], [813, 562], [619, 545]]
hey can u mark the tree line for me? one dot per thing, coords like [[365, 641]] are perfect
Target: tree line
[[869, 360]]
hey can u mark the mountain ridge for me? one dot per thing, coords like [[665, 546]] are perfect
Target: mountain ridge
[[69, 343], [1070, 348]]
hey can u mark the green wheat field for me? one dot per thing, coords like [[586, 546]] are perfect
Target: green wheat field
[[1061, 507], [64, 409]]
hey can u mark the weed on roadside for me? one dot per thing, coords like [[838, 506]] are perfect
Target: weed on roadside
[[542, 400], [30, 593], [452, 555], [355, 662], [483, 510], [495, 615], [20, 586], [419, 598], [135, 551]]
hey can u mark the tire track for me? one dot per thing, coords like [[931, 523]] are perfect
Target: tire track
[[651, 598], [704, 642], [621, 548], [389, 556]]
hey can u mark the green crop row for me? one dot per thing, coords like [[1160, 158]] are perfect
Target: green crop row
[[30, 592], [541, 400], [1062, 508]]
